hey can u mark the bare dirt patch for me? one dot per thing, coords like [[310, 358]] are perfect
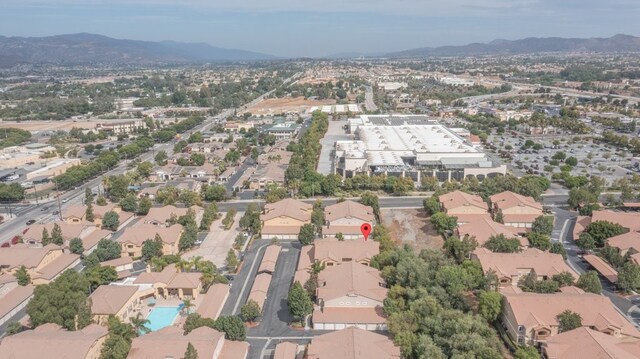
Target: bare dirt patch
[[411, 226], [289, 104]]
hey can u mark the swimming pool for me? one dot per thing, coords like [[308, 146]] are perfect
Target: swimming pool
[[161, 317]]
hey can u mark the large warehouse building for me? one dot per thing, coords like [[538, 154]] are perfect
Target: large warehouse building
[[415, 146]]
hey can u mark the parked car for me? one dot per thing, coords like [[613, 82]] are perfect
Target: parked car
[[5, 245]]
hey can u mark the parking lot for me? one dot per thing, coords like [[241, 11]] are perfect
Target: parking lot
[[547, 155], [217, 243], [334, 133]]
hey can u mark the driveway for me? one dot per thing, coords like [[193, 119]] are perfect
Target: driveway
[[217, 242]]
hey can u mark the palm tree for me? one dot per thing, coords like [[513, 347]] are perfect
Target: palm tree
[[183, 265], [186, 306], [158, 263], [140, 324], [196, 263]]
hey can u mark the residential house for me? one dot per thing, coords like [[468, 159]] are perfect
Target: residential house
[[161, 216], [213, 301], [626, 243], [483, 228], [531, 318], [350, 294], [466, 207], [346, 218], [266, 175], [51, 340], [330, 252], [76, 213], [132, 238], [585, 342], [172, 283], [625, 219], [511, 267], [33, 235], [517, 210], [121, 301], [122, 265], [352, 343], [284, 219], [43, 264], [170, 342], [13, 298], [90, 241]]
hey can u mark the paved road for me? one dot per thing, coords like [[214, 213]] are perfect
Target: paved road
[[563, 231], [368, 100]]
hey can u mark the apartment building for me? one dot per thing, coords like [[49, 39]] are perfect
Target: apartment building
[[352, 343], [346, 218], [517, 210], [283, 219], [464, 206], [511, 267], [348, 295], [531, 318], [132, 238]]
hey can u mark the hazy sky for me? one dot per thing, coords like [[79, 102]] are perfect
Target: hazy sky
[[322, 27]]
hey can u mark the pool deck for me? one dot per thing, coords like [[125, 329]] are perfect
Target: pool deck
[[172, 302]]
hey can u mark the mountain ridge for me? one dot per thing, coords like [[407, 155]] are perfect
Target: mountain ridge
[[616, 43], [86, 48]]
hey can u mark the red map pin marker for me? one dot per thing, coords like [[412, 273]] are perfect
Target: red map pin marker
[[365, 228]]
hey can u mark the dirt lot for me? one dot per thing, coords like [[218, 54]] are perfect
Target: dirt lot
[[48, 125], [411, 226], [279, 105]]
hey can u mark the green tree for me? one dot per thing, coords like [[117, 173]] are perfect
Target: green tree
[[144, 206], [444, 223], [539, 240], [586, 241], [250, 311], [431, 205], [152, 248], [460, 249], [571, 161], [317, 215], [140, 324], [13, 328], [563, 279], [299, 302], [590, 282], [111, 221], [501, 244], [88, 213], [543, 225], [215, 193], [72, 313], [22, 276], [528, 352], [490, 305], [100, 275], [307, 234], [191, 352], [499, 217], [144, 169], [558, 248], [568, 320], [56, 235], [118, 342], [629, 277], [161, 158], [129, 203], [600, 231], [370, 199], [107, 250], [232, 327], [76, 246], [231, 262], [46, 239], [118, 187], [188, 237]]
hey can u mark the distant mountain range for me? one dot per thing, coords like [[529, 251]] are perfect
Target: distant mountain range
[[617, 43], [87, 49], [83, 49]]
